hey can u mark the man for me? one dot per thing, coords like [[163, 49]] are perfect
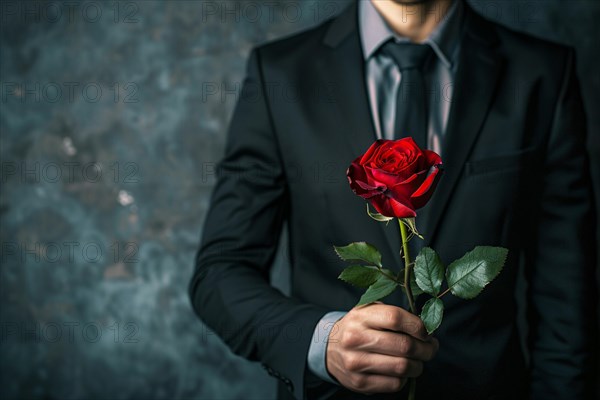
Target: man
[[504, 111]]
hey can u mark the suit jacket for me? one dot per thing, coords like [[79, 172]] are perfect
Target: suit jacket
[[516, 175]]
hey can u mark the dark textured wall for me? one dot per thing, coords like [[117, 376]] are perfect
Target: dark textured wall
[[112, 117]]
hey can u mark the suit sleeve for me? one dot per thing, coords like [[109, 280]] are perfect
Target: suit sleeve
[[230, 288], [562, 292]]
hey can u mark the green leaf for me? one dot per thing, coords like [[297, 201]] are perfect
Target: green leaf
[[378, 217], [377, 291], [468, 275], [359, 275], [432, 313], [429, 271], [359, 251]]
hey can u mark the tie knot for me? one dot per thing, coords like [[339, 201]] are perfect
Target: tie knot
[[407, 55]]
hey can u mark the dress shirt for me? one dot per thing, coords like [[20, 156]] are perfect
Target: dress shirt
[[383, 77]]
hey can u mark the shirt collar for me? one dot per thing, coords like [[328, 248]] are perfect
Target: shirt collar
[[374, 31]]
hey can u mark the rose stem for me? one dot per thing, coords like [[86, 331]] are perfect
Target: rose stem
[[407, 269], [412, 389], [413, 381]]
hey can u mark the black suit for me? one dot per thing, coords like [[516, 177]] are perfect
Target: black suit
[[516, 175]]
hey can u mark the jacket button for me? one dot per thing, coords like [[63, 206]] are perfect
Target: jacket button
[[268, 369]]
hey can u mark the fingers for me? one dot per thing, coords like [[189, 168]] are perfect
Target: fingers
[[383, 316], [369, 384], [393, 344], [377, 348], [380, 364]]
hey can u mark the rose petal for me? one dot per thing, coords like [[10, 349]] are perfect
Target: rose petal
[[407, 187], [358, 181], [422, 195], [368, 187], [412, 167], [386, 178], [370, 191], [432, 158], [354, 173], [371, 151], [391, 208], [401, 193]]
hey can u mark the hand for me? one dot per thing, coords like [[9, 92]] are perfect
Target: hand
[[377, 347]]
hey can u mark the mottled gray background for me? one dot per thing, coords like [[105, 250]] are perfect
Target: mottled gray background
[[112, 117]]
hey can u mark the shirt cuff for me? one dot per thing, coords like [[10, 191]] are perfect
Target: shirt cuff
[[317, 352]]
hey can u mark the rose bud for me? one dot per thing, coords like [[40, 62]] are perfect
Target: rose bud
[[395, 176]]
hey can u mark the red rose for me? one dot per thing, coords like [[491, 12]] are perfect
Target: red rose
[[395, 176]]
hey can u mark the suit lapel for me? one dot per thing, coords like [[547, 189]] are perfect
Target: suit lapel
[[343, 67], [345, 71], [477, 78]]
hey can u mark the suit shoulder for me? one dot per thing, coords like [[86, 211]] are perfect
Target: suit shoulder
[[296, 46], [530, 48]]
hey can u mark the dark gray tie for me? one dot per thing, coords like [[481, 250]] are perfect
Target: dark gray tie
[[411, 100]]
